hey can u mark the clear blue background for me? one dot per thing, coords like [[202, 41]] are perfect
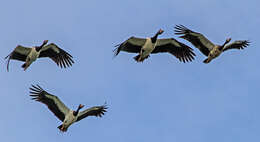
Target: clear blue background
[[160, 100]]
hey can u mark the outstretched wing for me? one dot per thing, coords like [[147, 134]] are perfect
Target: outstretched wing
[[53, 102], [58, 55], [238, 44], [97, 111], [19, 53], [181, 51], [132, 45], [197, 39]]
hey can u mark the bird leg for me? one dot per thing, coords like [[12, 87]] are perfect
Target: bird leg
[[25, 66], [62, 129], [140, 57]]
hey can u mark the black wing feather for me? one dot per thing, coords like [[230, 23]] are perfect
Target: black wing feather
[[197, 39], [239, 44], [58, 55], [181, 51], [97, 111], [20, 53], [53, 103], [132, 45]]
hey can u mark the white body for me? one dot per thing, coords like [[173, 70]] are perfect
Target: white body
[[33, 55], [69, 119], [148, 47], [214, 53]]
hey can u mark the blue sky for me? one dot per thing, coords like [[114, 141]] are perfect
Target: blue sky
[[158, 100]]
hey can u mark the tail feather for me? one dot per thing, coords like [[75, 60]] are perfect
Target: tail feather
[[138, 59], [59, 127], [62, 130], [24, 65]]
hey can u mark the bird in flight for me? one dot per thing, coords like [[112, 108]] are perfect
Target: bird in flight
[[61, 111], [31, 54]]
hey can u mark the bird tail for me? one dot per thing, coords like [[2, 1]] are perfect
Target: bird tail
[[59, 127], [62, 129], [25, 66], [206, 61], [137, 58], [140, 59]]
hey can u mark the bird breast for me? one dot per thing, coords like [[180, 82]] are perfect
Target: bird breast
[[69, 119], [33, 55], [215, 52], [148, 47]]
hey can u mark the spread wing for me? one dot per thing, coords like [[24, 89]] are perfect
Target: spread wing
[[53, 102], [132, 45], [181, 51], [19, 53], [239, 44], [58, 55], [97, 111], [197, 39]]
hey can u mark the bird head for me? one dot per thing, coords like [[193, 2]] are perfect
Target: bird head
[[45, 42], [160, 31], [228, 40], [154, 38], [38, 48], [75, 113], [80, 106]]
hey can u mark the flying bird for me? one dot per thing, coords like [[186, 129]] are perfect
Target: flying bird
[[209, 49], [29, 55], [64, 114], [152, 45]]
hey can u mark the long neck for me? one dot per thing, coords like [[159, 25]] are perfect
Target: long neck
[[75, 113], [222, 47], [154, 38], [38, 48]]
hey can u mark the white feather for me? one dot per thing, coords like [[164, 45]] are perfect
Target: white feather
[[148, 47], [69, 119], [33, 55]]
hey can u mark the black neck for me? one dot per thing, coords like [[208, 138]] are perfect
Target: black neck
[[222, 47], [75, 113], [154, 38], [38, 48]]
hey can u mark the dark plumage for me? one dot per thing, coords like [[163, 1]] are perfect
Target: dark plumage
[[148, 46], [205, 46], [61, 111], [29, 55], [58, 55]]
